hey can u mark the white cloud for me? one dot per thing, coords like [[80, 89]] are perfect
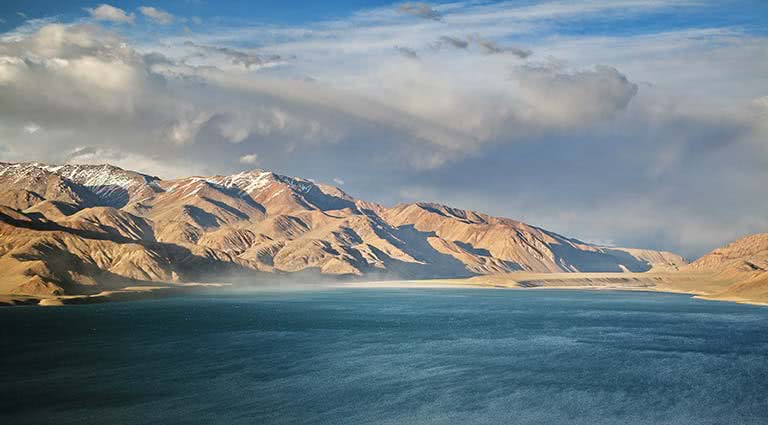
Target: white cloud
[[559, 97], [185, 129], [338, 181], [610, 122], [105, 12], [157, 166], [11, 68], [159, 16], [249, 159], [31, 128], [761, 103]]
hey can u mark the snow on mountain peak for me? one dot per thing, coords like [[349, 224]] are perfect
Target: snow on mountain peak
[[111, 184], [255, 180], [248, 181]]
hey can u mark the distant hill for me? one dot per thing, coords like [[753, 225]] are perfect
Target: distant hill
[[81, 229], [744, 262]]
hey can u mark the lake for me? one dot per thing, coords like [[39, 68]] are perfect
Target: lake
[[388, 356]]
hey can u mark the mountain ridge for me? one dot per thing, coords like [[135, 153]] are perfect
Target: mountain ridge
[[743, 262], [107, 224]]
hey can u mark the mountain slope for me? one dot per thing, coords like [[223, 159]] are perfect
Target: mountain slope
[[92, 250], [747, 256], [73, 229], [744, 261], [491, 245]]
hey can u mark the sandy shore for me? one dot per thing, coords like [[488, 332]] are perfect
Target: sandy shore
[[128, 293], [698, 285], [701, 286], [429, 283]]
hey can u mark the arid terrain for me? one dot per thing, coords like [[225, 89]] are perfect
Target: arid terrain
[[74, 231], [737, 272]]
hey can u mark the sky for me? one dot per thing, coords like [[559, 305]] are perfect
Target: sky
[[640, 123]]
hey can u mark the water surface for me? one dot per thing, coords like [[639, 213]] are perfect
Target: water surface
[[388, 356]]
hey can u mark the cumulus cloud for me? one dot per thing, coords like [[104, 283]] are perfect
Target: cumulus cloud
[[249, 159], [555, 95], [102, 92], [422, 10], [185, 129], [156, 15], [10, 68], [105, 12], [564, 144], [69, 64]]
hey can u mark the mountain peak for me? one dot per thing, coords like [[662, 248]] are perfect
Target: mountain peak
[[109, 184]]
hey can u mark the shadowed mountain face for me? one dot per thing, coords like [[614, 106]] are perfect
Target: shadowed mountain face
[[79, 229]]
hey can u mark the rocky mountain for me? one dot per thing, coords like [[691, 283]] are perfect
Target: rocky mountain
[[745, 262], [82, 228]]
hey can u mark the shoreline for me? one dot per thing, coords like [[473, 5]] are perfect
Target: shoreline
[[698, 286], [129, 293]]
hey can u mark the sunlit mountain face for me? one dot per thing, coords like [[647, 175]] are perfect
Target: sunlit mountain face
[[83, 229]]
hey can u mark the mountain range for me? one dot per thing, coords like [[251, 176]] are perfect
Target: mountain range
[[82, 229]]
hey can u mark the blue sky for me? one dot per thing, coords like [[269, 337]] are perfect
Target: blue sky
[[243, 11], [751, 15], [632, 122]]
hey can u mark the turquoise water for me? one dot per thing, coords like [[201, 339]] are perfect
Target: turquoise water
[[388, 356]]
